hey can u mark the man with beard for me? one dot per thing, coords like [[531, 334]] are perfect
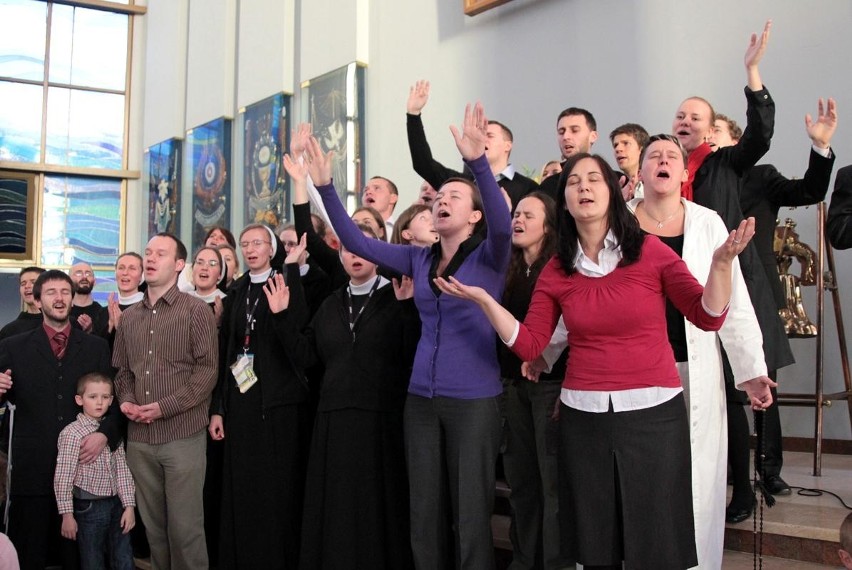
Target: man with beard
[[30, 316], [39, 370], [86, 313], [576, 132]]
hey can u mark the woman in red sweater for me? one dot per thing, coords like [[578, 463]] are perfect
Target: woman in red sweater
[[624, 460]]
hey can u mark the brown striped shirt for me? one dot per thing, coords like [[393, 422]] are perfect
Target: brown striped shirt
[[167, 353]]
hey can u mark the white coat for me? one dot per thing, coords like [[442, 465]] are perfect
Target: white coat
[[740, 335]]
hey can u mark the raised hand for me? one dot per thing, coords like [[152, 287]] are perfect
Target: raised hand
[[458, 289], [628, 186], [114, 312], [319, 162], [277, 293], [299, 139], [821, 130], [471, 141], [736, 242], [757, 46], [403, 288], [418, 96], [758, 391], [297, 250], [297, 169]]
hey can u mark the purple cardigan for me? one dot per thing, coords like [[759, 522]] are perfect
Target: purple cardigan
[[457, 353]]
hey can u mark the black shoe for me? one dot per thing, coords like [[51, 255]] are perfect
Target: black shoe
[[776, 485], [734, 515]]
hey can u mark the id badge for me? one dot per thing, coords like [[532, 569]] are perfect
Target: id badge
[[243, 371]]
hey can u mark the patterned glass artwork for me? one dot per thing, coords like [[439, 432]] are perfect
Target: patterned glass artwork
[[22, 31], [88, 48], [266, 129], [20, 122], [80, 220], [15, 214], [208, 160], [84, 128], [162, 165]]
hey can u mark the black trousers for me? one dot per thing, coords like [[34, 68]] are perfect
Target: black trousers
[[34, 524]]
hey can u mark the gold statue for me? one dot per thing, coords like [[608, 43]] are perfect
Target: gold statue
[[787, 245]]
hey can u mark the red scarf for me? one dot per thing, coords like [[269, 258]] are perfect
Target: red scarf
[[693, 163]]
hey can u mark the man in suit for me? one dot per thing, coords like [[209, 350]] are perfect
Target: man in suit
[[497, 150], [839, 223], [38, 374], [763, 192]]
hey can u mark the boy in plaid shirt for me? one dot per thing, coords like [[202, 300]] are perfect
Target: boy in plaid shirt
[[97, 499]]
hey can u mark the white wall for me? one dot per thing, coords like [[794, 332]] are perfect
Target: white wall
[[529, 59]]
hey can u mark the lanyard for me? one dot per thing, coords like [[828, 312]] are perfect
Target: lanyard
[[353, 319], [250, 315]]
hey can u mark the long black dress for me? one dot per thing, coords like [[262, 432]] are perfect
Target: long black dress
[[264, 460], [356, 495]]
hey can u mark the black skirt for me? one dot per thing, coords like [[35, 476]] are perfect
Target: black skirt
[[626, 487], [356, 496], [262, 483]]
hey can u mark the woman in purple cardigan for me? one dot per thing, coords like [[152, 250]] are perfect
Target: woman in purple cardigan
[[452, 417]]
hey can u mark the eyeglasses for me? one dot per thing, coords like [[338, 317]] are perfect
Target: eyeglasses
[[80, 273], [254, 242], [212, 263]]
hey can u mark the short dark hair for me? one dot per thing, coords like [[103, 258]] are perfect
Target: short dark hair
[[664, 137], [476, 197], [733, 128], [30, 269], [51, 275], [574, 111], [229, 237], [392, 186], [92, 378], [620, 220], [507, 132], [638, 132], [320, 227], [181, 249]]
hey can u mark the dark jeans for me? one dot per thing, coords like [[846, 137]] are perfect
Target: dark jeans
[[99, 534]]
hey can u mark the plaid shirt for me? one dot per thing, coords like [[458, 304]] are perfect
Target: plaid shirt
[[106, 476]]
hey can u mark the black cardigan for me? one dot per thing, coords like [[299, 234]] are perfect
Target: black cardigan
[[283, 383], [369, 373]]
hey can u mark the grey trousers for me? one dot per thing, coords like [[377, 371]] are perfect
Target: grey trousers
[[451, 448], [169, 492]]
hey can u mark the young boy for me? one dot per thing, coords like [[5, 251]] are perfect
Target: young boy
[[96, 500]]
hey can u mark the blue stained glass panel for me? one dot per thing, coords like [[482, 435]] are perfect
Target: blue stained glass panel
[[88, 48], [20, 122], [84, 128], [22, 39], [80, 221]]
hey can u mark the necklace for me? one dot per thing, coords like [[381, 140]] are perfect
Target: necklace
[[528, 270], [661, 223]]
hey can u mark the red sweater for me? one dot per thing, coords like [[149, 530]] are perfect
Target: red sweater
[[616, 323]]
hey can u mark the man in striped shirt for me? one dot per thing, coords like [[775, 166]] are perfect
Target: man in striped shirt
[[166, 353]]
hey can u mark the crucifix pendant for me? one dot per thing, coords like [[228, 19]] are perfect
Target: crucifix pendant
[[659, 225], [528, 271]]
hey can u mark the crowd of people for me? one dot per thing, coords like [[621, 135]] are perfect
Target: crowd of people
[[344, 401]]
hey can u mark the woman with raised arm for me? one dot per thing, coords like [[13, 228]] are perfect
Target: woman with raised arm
[[693, 232], [622, 415], [452, 412], [259, 410], [356, 494]]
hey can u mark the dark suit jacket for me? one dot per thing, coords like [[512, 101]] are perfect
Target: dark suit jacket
[[839, 223], [436, 173], [765, 191], [43, 389]]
